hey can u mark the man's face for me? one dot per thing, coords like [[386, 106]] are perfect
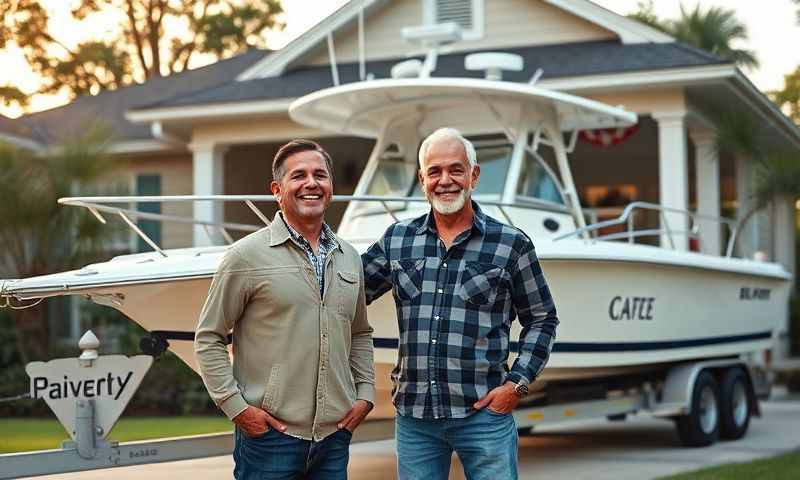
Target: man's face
[[446, 176], [304, 192]]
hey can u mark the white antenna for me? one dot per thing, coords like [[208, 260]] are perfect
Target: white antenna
[[431, 37]]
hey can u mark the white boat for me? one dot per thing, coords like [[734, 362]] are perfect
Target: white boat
[[624, 306]]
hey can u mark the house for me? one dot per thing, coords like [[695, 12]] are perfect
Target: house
[[214, 130]]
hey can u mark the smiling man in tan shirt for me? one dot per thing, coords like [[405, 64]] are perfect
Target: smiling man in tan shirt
[[302, 377]]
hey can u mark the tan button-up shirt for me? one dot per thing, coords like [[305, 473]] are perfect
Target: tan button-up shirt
[[303, 357]]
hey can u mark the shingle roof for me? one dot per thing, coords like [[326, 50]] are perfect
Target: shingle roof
[[563, 60], [110, 106], [16, 128]]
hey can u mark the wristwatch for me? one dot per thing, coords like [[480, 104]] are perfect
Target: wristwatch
[[521, 389]]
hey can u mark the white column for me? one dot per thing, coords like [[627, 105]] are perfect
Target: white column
[[708, 190], [785, 231], [208, 171], [673, 177]]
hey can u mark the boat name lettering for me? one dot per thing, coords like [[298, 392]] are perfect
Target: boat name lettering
[[110, 385], [753, 293], [631, 308]]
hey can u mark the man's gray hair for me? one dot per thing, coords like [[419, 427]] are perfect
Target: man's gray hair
[[447, 134]]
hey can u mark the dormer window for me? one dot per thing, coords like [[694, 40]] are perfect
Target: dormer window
[[468, 14]]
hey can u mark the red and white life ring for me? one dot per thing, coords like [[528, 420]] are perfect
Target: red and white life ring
[[606, 137]]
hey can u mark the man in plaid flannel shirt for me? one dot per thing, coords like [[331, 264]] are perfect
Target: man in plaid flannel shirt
[[459, 277]]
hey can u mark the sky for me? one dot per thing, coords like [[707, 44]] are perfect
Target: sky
[[771, 26]]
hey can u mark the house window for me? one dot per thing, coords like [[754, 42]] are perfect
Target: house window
[[468, 14], [148, 184]]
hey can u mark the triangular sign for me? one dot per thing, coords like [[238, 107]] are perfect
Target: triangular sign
[[110, 382]]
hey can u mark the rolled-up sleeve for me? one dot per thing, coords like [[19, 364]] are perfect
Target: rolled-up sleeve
[[536, 312], [361, 350], [377, 271], [227, 297]]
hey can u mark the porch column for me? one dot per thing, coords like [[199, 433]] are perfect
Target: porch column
[[673, 177], [708, 192], [748, 242], [208, 162]]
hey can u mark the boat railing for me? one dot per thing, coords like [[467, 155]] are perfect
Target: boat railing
[[627, 217], [121, 207]]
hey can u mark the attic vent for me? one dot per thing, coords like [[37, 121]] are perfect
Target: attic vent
[[467, 14], [458, 11]]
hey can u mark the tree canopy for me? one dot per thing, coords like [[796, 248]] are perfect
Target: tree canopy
[[148, 45], [713, 30]]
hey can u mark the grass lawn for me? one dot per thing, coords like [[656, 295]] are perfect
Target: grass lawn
[[24, 434], [782, 467]]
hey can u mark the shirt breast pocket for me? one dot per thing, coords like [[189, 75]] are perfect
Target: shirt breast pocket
[[407, 277], [347, 292], [481, 283]]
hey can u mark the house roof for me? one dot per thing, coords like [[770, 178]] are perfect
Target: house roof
[[110, 106], [556, 61], [629, 31]]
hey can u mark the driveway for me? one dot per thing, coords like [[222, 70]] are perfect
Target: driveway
[[639, 448]]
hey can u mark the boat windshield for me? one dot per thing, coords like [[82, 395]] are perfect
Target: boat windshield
[[536, 182], [396, 175]]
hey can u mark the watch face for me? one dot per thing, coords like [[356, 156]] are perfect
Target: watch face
[[521, 390]]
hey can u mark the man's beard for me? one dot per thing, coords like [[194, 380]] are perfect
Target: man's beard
[[451, 207]]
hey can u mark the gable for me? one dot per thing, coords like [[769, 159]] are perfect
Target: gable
[[507, 23]]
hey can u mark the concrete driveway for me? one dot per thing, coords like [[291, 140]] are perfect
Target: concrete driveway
[[640, 448]]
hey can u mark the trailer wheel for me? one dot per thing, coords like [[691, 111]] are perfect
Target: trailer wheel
[[734, 404], [700, 428]]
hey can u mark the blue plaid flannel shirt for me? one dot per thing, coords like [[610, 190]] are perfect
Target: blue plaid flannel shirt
[[455, 308]]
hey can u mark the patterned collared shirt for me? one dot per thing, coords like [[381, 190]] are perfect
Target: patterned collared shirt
[[454, 309], [326, 244]]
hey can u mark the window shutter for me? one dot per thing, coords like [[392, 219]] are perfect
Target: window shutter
[[148, 184], [458, 11]]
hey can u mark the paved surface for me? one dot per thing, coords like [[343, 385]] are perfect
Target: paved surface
[[640, 448]]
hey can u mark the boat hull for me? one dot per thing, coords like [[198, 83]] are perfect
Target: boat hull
[[616, 317]]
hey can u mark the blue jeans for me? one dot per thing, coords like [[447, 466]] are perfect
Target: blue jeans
[[277, 456], [485, 442]]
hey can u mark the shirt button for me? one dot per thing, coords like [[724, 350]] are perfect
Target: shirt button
[[433, 382], [440, 291], [444, 265], [436, 317]]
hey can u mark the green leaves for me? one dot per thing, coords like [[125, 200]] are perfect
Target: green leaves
[[714, 30], [789, 97], [39, 235], [145, 47]]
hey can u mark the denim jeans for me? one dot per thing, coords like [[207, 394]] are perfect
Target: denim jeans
[[277, 456], [485, 442]]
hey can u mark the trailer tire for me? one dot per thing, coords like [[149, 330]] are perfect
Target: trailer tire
[[734, 404], [700, 428]]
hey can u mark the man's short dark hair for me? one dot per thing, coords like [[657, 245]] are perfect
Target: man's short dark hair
[[296, 146]]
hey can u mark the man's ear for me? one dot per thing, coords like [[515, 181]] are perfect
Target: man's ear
[[421, 180], [275, 187], [476, 173]]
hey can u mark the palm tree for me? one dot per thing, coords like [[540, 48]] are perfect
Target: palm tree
[[713, 30], [38, 236]]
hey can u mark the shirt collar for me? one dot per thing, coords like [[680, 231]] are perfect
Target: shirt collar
[[478, 221], [282, 231]]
